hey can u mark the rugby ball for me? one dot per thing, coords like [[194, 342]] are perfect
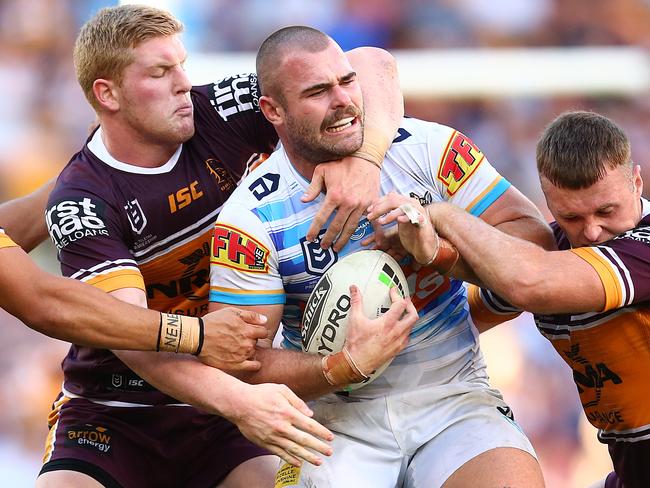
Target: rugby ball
[[325, 318]]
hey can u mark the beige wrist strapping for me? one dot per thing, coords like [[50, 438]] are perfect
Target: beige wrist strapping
[[340, 369], [180, 334]]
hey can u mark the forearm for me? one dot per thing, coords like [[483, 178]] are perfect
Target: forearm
[[528, 228], [24, 218], [186, 379], [382, 98], [301, 372], [84, 315], [522, 273]]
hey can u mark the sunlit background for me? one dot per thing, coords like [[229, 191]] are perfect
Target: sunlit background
[[477, 65]]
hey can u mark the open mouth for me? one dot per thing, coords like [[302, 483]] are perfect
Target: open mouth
[[341, 125]]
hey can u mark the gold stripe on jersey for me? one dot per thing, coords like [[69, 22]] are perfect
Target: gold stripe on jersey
[[116, 280], [239, 291], [5, 240], [608, 276], [53, 423], [487, 190], [481, 312]]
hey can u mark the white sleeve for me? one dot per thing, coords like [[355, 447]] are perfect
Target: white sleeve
[[243, 260]]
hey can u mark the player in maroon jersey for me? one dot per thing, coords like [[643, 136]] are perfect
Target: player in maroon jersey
[[74, 312], [590, 298], [132, 214]]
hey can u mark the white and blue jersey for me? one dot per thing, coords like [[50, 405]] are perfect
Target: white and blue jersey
[[260, 255]]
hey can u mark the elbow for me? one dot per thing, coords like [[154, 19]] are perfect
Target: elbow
[[526, 292]]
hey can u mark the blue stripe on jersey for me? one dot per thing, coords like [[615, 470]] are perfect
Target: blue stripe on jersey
[[498, 190], [241, 299]]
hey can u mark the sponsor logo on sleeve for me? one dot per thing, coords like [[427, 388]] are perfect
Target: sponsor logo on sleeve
[[317, 260], [236, 94], [74, 219], [234, 248], [460, 160]]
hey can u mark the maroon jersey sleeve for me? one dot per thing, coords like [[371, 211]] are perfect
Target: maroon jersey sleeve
[[229, 111], [87, 232], [623, 265]]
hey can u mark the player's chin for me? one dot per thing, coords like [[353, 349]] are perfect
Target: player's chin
[[345, 144], [185, 129]]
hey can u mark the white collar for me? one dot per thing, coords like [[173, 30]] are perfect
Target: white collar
[[98, 148]]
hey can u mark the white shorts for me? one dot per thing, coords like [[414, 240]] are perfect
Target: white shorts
[[410, 439]]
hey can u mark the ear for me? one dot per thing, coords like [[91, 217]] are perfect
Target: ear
[[106, 94], [272, 110], [638, 181]]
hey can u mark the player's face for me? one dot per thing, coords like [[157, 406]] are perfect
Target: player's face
[[154, 93], [323, 105], [596, 214]]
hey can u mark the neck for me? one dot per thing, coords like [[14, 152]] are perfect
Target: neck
[[304, 167], [129, 147]]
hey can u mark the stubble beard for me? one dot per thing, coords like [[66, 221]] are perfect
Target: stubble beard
[[315, 149]]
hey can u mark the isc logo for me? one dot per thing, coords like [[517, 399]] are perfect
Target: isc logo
[[183, 197]]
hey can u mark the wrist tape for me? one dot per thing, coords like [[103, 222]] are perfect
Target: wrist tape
[[340, 369], [374, 147], [445, 257], [180, 334]]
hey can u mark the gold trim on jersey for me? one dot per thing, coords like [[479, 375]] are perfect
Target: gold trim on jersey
[[608, 276], [487, 190], [5, 241], [116, 280], [53, 423], [239, 291]]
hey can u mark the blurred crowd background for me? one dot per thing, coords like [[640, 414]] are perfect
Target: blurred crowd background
[[44, 119]]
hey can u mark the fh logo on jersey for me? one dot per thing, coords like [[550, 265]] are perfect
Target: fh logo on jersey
[[234, 248], [136, 216], [70, 220], [460, 160]]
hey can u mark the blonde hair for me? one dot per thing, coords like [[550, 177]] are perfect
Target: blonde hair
[[104, 45]]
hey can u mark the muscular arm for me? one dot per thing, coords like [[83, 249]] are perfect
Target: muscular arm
[[521, 272], [269, 415], [24, 218], [513, 214], [69, 310], [353, 183], [299, 371]]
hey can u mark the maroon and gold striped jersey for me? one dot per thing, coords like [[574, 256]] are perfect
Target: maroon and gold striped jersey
[[609, 350], [122, 226]]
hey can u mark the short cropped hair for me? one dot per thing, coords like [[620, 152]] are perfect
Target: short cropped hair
[[274, 48], [104, 45], [577, 148]]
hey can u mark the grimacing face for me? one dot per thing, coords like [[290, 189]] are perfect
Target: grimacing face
[[323, 109], [154, 97], [596, 214]]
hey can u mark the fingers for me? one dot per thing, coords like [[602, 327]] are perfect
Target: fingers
[[316, 186], [247, 365], [326, 209], [349, 228], [387, 204], [252, 317], [356, 302]]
